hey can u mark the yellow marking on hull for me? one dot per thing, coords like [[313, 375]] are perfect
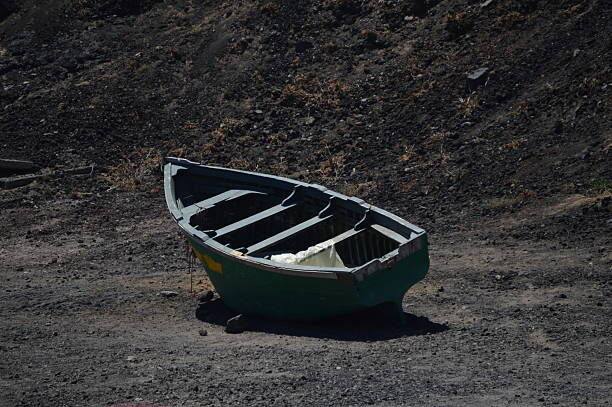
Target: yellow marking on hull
[[209, 262]]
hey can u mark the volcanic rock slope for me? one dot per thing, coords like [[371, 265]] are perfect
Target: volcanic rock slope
[[486, 122], [372, 93]]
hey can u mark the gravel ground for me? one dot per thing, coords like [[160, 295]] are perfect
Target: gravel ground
[[498, 320], [485, 122]]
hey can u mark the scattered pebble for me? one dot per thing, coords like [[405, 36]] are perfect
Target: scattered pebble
[[308, 120], [236, 325], [477, 78], [168, 294], [203, 332], [206, 296]]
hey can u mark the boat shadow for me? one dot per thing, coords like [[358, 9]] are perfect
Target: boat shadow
[[373, 324]]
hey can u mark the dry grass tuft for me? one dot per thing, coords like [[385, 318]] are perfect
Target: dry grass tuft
[[507, 201], [189, 126], [89, 8], [601, 186], [136, 172], [574, 10], [512, 145], [409, 154], [425, 88], [459, 23], [333, 166], [406, 186], [270, 8], [437, 137], [240, 163], [519, 108], [591, 84], [329, 47], [468, 106], [342, 5], [360, 190], [306, 91], [511, 19], [228, 127]]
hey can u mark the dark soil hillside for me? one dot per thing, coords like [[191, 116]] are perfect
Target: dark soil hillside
[[488, 123], [375, 92]]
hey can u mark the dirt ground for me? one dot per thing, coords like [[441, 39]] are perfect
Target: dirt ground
[[509, 172], [499, 320]]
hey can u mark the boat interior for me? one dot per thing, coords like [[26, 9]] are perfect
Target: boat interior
[[261, 221]]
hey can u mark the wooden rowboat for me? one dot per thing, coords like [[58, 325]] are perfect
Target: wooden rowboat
[[285, 249]]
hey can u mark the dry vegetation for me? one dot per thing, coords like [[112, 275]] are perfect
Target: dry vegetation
[[425, 88], [467, 106], [601, 186], [511, 19], [270, 8], [361, 190], [512, 145], [508, 201], [228, 127], [332, 168], [459, 23], [91, 8], [408, 153], [311, 92], [136, 172]]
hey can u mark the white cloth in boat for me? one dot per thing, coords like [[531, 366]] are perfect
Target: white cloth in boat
[[319, 255]]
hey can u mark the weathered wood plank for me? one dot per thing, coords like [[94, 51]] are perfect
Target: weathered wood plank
[[17, 165], [275, 210], [285, 234], [22, 180], [19, 181]]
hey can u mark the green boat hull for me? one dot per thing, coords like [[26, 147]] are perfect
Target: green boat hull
[[256, 291]]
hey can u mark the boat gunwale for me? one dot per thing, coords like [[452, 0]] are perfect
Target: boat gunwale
[[413, 243]]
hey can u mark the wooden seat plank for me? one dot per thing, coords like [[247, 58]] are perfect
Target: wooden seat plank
[[285, 234]]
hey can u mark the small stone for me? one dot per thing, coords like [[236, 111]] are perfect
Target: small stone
[[236, 325], [168, 294], [371, 36], [258, 111], [441, 289], [477, 78], [562, 295], [206, 296], [203, 332], [303, 46], [308, 120], [131, 359]]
